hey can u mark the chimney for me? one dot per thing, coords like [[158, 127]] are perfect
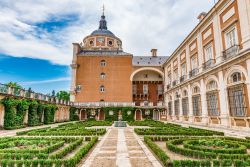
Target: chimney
[[154, 52], [201, 16]]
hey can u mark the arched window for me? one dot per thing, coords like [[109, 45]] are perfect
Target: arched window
[[196, 90], [212, 85], [102, 89], [102, 75], [184, 93], [103, 63], [235, 77]]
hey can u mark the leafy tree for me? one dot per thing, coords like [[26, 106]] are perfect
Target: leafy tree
[[53, 93], [14, 85], [63, 95]]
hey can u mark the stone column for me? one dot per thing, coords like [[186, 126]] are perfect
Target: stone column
[[76, 49], [204, 112], [224, 109], [190, 105], [248, 81]]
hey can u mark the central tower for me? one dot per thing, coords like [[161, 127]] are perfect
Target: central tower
[[100, 69]]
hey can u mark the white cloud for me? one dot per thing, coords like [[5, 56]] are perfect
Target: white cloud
[[45, 81], [141, 24]]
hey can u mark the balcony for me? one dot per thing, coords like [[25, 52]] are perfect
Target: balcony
[[208, 64], [183, 78], [193, 72], [230, 52]]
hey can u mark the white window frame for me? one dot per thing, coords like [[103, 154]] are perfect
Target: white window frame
[[175, 74], [145, 88], [103, 63], [103, 75], [183, 69], [228, 41], [209, 52], [102, 89], [194, 62]]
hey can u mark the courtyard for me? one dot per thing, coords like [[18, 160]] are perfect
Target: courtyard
[[145, 143]]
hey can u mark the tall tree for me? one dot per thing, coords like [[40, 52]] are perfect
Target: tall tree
[[63, 95], [14, 85]]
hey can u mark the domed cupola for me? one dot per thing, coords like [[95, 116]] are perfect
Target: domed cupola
[[102, 38]]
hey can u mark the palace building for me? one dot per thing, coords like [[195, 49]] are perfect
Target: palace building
[[104, 75], [205, 81], [207, 77]]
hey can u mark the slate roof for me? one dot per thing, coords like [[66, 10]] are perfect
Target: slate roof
[[149, 60]]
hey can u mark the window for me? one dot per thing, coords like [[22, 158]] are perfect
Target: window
[[196, 100], [145, 89], [134, 89], [208, 52], [175, 74], [110, 43], [103, 63], [78, 88], [194, 62], [185, 108], [183, 69], [170, 108], [160, 89], [169, 78], [91, 42], [231, 38], [102, 89], [177, 107], [102, 75], [237, 104], [211, 85], [145, 75], [212, 104], [196, 90], [235, 77]]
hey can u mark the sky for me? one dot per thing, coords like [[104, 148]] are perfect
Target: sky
[[36, 36]]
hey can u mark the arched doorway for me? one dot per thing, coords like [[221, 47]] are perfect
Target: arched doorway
[[147, 86], [156, 114], [138, 115], [83, 114], [101, 114]]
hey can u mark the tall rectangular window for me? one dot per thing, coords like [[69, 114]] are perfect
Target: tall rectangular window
[[183, 69], [134, 89], [231, 38], [145, 88], [237, 101], [209, 52], [196, 100], [185, 108], [177, 107], [212, 104], [170, 108], [175, 77], [160, 89], [194, 62]]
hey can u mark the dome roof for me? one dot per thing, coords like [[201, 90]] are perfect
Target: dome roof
[[103, 29], [102, 32]]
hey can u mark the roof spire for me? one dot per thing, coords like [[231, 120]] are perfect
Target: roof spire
[[103, 23], [103, 9]]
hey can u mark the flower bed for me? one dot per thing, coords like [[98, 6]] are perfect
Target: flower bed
[[151, 123], [70, 129], [43, 151], [207, 151]]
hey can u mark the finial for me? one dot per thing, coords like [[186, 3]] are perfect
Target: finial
[[103, 9]]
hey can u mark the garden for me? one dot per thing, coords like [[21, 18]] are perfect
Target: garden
[[65, 145], [180, 146]]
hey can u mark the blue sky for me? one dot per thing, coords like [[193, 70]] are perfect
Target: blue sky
[[36, 37]]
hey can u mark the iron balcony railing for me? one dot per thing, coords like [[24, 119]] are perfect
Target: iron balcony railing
[[193, 72], [208, 64], [183, 78], [230, 52], [7, 90]]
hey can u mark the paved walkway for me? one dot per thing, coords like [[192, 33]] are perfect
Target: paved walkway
[[121, 147]]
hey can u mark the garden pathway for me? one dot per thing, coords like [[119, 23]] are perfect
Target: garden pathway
[[121, 147]]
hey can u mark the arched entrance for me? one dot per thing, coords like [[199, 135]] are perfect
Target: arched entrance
[[138, 115], [101, 114], [83, 114], [147, 86]]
